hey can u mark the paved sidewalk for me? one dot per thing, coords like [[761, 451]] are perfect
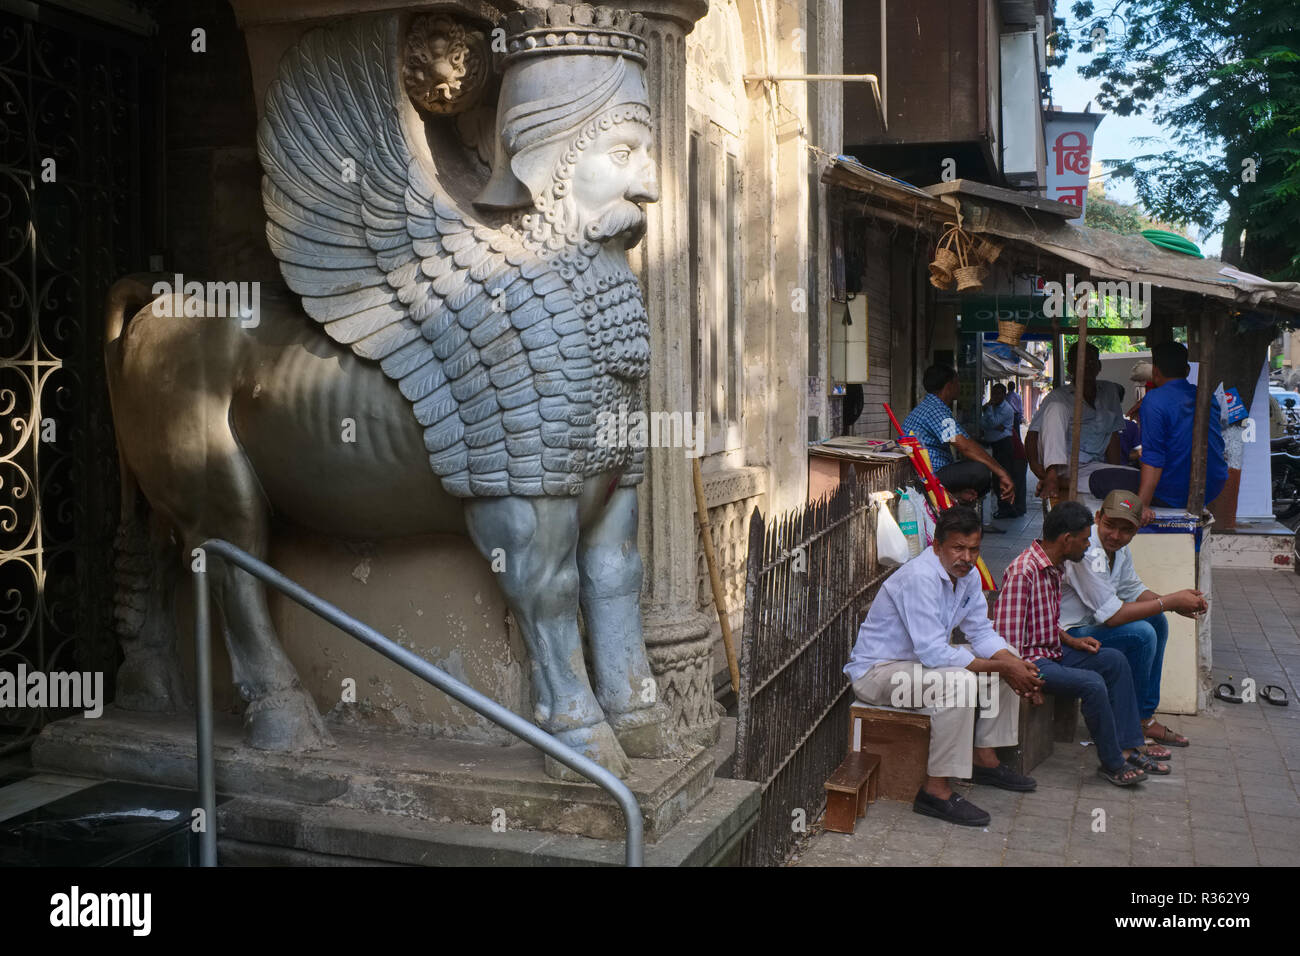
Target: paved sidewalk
[[1233, 797]]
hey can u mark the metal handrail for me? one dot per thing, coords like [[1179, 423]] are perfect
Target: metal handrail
[[399, 655]]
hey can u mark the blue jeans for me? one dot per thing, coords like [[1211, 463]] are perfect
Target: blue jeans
[[1143, 643], [1104, 686]]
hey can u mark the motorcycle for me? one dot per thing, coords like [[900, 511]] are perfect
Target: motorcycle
[[1286, 477]]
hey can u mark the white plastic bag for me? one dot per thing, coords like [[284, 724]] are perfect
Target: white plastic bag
[[891, 544]]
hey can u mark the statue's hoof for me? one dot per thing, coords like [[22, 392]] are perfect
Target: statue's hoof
[[151, 683], [646, 732], [597, 743], [285, 720]]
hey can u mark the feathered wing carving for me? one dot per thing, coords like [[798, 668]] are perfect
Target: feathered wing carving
[[480, 332]]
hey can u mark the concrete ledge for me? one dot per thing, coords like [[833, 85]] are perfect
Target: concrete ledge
[[1255, 543]]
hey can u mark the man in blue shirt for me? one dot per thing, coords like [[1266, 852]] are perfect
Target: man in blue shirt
[[933, 423], [1168, 411]]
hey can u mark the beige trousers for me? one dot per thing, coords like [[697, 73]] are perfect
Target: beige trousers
[[956, 715]]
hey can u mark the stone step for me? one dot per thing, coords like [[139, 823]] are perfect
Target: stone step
[[255, 832], [428, 779]]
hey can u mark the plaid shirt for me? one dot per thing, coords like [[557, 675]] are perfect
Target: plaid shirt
[[1029, 608], [933, 422]]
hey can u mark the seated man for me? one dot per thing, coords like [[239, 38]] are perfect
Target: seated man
[[1102, 597], [933, 423], [1028, 615], [906, 637], [997, 421], [1168, 413], [1101, 461]]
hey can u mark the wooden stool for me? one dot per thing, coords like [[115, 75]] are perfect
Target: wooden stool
[[851, 787], [901, 739]]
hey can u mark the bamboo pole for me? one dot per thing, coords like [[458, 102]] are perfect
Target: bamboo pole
[[715, 581], [1076, 429]]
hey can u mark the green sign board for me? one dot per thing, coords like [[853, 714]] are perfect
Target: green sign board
[[981, 313]]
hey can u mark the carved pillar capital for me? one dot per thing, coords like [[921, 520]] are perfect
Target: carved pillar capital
[[684, 13]]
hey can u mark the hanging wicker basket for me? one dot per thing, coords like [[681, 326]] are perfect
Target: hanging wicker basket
[[946, 259], [969, 278], [1009, 333], [940, 278], [986, 249]]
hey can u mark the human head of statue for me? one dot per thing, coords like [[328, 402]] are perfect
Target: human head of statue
[[573, 124]]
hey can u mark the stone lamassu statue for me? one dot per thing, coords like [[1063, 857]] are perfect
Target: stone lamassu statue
[[472, 326]]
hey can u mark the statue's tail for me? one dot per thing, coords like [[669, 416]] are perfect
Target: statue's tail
[[136, 565]]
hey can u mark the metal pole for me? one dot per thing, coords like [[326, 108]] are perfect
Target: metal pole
[[203, 716], [448, 685]]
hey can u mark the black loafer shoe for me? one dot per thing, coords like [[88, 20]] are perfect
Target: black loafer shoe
[[956, 809], [1004, 778]]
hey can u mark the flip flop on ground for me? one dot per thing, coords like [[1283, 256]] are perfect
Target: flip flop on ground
[[1272, 694]]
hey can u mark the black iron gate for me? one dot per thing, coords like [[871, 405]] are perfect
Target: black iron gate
[[811, 576], [73, 135]]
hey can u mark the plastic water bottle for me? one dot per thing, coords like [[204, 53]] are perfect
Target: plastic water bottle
[[907, 523]]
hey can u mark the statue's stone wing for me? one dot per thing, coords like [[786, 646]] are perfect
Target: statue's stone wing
[[479, 331]]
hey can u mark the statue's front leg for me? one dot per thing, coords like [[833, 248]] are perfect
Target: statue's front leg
[[534, 540], [609, 568]]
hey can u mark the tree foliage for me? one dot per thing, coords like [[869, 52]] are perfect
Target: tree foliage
[[1222, 78]]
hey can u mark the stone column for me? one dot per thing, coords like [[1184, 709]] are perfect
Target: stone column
[[676, 633]]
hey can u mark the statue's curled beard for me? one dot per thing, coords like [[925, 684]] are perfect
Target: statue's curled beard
[[624, 218]]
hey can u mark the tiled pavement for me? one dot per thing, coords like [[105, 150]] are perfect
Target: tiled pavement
[[1233, 797]]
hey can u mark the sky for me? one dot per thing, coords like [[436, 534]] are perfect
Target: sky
[[1115, 134]]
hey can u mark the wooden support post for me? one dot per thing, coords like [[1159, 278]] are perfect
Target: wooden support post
[[1076, 430], [1205, 383]]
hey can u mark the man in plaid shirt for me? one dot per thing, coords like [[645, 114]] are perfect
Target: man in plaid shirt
[[1028, 616], [933, 423]]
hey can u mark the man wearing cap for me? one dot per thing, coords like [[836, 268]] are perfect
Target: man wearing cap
[[1168, 412], [1102, 597]]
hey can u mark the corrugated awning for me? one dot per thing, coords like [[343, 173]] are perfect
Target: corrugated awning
[[1042, 224], [1108, 255]]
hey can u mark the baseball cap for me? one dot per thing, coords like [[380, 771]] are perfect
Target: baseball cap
[[1125, 505]]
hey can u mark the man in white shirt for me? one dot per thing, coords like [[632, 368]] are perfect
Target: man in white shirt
[[905, 642], [1102, 597], [1100, 455]]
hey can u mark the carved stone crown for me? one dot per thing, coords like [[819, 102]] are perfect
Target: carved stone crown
[[574, 28]]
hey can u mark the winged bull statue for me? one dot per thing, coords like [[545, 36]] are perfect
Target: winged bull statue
[[465, 298]]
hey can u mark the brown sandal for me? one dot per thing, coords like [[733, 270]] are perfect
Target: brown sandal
[[1166, 736]]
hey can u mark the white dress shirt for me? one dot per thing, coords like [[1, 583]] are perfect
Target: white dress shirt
[[914, 614], [1053, 422], [1093, 589]]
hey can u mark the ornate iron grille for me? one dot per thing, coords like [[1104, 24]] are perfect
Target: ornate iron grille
[[70, 211], [811, 577]]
